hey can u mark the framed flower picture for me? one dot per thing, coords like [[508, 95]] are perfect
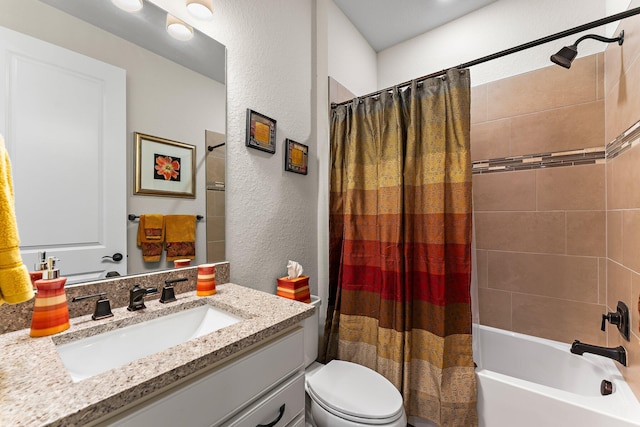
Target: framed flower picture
[[164, 167]]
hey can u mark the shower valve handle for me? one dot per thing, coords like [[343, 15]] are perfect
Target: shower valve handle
[[613, 318], [620, 318]]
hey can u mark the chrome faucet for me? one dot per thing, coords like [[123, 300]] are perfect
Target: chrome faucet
[[136, 297], [619, 354]]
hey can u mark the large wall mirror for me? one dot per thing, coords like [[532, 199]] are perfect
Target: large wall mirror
[[171, 89]]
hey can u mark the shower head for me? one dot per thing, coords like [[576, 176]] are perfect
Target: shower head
[[567, 54]]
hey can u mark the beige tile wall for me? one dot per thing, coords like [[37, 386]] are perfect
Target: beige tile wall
[[622, 110], [537, 112], [557, 248], [540, 249], [541, 233]]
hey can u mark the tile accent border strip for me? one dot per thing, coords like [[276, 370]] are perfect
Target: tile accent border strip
[[585, 156], [627, 139]]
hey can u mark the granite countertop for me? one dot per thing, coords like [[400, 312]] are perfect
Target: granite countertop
[[36, 390]]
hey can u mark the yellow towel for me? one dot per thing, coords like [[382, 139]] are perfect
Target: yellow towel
[[15, 284], [151, 236], [180, 236]]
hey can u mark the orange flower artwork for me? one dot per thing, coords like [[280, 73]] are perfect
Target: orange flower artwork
[[168, 167]]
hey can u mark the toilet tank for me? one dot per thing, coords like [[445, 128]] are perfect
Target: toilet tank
[[310, 325]]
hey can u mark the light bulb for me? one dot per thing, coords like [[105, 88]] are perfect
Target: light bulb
[[178, 29], [128, 5], [201, 9]]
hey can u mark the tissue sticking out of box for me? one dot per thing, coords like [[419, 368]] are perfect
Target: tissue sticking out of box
[[295, 286], [294, 269]]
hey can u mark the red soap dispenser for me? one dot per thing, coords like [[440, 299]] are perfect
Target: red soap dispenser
[[50, 311]]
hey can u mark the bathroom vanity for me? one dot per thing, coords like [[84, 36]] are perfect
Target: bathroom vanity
[[248, 373]]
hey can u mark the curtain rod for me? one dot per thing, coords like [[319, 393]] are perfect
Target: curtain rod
[[556, 36]]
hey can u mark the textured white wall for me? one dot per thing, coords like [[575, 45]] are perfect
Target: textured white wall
[[271, 214], [498, 26], [351, 61]]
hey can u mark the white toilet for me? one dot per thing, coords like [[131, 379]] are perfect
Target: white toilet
[[345, 394]]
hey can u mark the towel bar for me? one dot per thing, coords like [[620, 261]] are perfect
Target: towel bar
[[133, 217]]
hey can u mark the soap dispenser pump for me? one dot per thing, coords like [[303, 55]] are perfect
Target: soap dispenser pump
[[38, 268], [50, 311], [42, 262]]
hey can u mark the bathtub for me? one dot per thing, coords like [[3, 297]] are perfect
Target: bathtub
[[526, 381]]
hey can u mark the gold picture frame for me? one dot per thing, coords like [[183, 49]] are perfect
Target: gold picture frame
[[164, 167]]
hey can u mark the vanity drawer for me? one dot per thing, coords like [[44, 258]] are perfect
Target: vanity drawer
[[216, 396], [284, 403], [298, 422]]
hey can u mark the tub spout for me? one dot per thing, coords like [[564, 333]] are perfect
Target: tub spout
[[619, 354]]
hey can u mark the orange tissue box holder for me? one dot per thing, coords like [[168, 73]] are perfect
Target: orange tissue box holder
[[297, 289]]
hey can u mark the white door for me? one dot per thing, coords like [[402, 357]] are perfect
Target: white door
[[63, 117]]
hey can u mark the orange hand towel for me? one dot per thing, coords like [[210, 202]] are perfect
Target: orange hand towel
[[180, 236], [15, 283], [153, 225], [151, 236]]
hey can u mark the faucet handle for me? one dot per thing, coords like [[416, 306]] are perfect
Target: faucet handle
[[168, 292], [103, 309], [620, 318], [613, 318], [103, 306]]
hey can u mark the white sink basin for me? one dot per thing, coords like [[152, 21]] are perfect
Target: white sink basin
[[93, 355]]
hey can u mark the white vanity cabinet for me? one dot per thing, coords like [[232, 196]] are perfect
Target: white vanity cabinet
[[256, 388]]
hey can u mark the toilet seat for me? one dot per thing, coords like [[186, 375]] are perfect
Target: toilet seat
[[355, 393]]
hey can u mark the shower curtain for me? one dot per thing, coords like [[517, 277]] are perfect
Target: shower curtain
[[400, 244]]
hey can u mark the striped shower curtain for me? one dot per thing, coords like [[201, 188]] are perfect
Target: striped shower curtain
[[400, 244]]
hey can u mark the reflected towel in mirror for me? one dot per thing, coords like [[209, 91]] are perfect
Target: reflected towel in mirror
[[180, 236], [150, 237]]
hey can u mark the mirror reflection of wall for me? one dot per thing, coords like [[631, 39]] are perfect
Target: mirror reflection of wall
[[215, 196], [164, 99]]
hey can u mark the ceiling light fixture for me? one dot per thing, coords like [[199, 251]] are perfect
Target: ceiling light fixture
[[201, 9], [128, 5], [178, 29]]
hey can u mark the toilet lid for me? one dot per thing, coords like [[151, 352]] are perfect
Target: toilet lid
[[355, 392]]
